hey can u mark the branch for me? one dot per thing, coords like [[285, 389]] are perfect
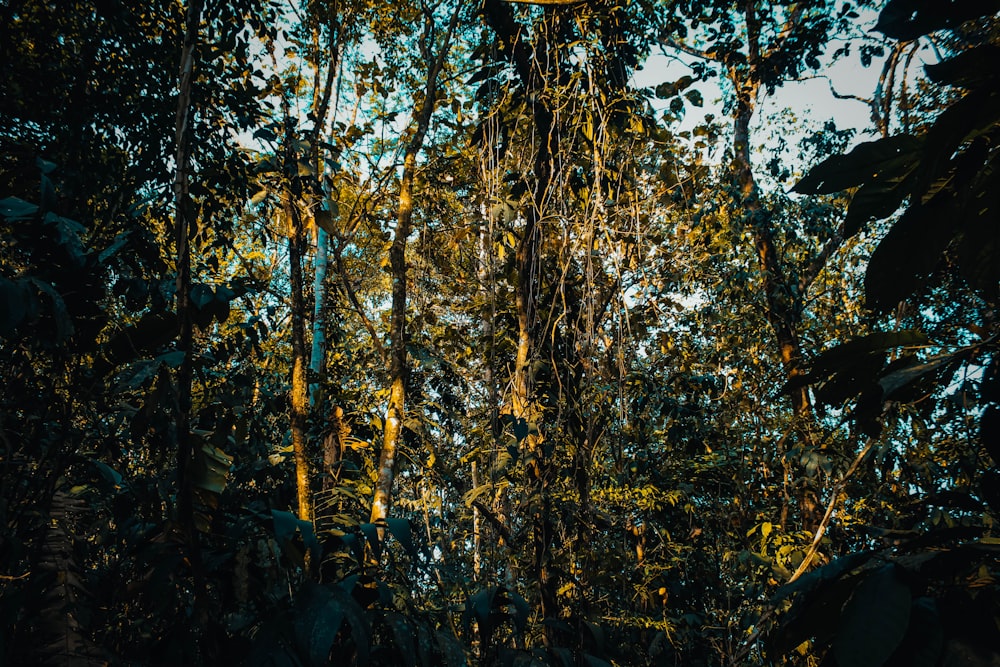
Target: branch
[[691, 51], [818, 262], [353, 298], [494, 521], [835, 494], [786, 30], [740, 657]]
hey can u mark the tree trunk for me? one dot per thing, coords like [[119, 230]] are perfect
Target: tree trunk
[[398, 363], [184, 228], [299, 402]]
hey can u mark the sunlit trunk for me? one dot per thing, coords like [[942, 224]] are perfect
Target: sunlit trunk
[[398, 362]]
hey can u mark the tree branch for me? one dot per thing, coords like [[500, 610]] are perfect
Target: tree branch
[[494, 521], [818, 262], [834, 495]]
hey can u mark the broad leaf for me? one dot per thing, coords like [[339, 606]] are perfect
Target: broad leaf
[[400, 529], [884, 159], [210, 468], [13, 208], [909, 19], [874, 621]]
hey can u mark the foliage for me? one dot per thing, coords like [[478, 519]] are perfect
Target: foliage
[[658, 410]]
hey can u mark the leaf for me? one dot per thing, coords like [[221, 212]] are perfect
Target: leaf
[[201, 295], [63, 321], [832, 359], [908, 19], [879, 198], [324, 220], [287, 524], [881, 159], [874, 621], [211, 468], [910, 251], [473, 494], [108, 473], [822, 575], [320, 612], [968, 69], [370, 531], [400, 529], [924, 641], [13, 305], [13, 208], [989, 432], [402, 635], [318, 617], [813, 616], [695, 98], [897, 380], [45, 166]]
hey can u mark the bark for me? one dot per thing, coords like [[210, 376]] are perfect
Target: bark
[[184, 225], [398, 362], [299, 402], [529, 63], [320, 108], [782, 304], [317, 358]]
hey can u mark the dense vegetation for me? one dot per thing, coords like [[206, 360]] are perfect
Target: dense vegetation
[[418, 333]]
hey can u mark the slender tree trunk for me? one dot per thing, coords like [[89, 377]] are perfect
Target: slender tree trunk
[[398, 362], [184, 227], [317, 358], [321, 261], [530, 63], [782, 297], [299, 402]]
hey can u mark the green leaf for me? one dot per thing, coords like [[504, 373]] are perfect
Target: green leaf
[[211, 468], [874, 621], [910, 251], [403, 636], [63, 321], [908, 19], [835, 357], [108, 473], [370, 531], [473, 494], [989, 432], [318, 617], [924, 641], [13, 208], [45, 166], [13, 305], [695, 98], [813, 615], [326, 217], [400, 529], [968, 69], [885, 159], [897, 380], [201, 295], [879, 198]]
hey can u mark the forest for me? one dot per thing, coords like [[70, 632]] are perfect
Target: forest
[[499, 333]]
